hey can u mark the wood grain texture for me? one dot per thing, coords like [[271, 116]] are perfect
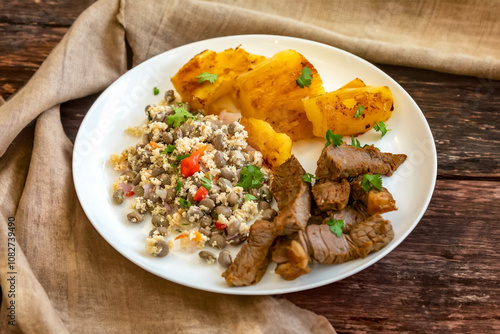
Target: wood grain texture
[[445, 276]]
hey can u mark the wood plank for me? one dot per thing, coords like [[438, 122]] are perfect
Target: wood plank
[[47, 12], [444, 278]]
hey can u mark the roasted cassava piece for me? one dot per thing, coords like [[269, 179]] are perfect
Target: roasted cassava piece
[[275, 147], [351, 110], [270, 92], [226, 65]]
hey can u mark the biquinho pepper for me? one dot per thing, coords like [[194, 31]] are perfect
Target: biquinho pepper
[[190, 165], [201, 193]]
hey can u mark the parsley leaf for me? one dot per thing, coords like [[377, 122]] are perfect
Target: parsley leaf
[[359, 112], [181, 115], [250, 177], [370, 181], [380, 126], [156, 91], [308, 177], [207, 183], [375, 147], [336, 226], [184, 203], [178, 187], [210, 77], [250, 197], [149, 116], [305, 77], [169, 149], [332, 139], [355, 142], [181, 157]]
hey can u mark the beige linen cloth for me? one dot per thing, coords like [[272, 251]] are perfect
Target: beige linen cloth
[[68, 279]]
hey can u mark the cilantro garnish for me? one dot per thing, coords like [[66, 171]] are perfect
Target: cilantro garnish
[[156, 91], [207, 183], [305, 77], [178, 187], [336, 226], [250, 197], [184, 203], [380, 126], [370, 181], [359, 112], [169, 149], [250, 177], [149, 116], [332, 139], [210, 77], [180, 157], [355, 142], [181, 115], [308, 177]]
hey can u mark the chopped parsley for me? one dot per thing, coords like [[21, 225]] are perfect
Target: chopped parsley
[[370, 181], [250, 197], [308, 177], [359, 112], [207, 183], [181, 157], [332, 139], [178, 187], [149, 116], [210, 77], [336, 226], [380, 126], [184, 203], [156, 91], [250, 177], [181, 115], [305, 77], [169, 149], [356, 143]]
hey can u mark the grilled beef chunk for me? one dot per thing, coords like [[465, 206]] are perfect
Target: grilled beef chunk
[[331, 196], [376, 201], [366, 237], [347, 161], [279, 250], [297, 265], [293, 195], [352, 215], [371, 235], [252, 260]]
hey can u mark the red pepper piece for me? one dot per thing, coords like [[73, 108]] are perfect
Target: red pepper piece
[[129, 193], [190, 165], [220, 226], [201, 193]]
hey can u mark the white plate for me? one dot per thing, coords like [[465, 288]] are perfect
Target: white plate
[[122, 105]]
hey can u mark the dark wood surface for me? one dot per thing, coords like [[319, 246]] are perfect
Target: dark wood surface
[[445, 276]]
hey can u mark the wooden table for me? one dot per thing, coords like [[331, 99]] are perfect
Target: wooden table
[[445, 276]]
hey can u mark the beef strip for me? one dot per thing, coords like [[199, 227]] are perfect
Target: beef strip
[[366, 237], [351, 215], [293, 195], [331, 196], [252, 260], [347, 161], [376, 201]]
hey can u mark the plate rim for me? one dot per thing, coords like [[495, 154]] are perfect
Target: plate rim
[[242, 291]]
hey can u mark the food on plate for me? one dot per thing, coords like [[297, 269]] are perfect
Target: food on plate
[[293, 196], [209, 76], [275, 147], [356, 83], [349, 111], [196, 176], [331, 195], [340, 162], [270, 92], [252, 260], [376, 201]]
